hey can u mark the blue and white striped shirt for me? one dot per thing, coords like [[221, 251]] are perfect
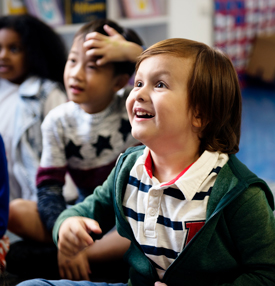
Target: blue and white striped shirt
[[165, 216]]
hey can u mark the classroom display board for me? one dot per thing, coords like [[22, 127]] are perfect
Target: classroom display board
[[82, 11], [236, 25], [60, 12]]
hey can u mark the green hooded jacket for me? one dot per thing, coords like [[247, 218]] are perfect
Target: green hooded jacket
[[236, 246]]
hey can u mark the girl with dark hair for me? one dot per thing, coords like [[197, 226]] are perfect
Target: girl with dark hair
[[44, 51], [32, 60]]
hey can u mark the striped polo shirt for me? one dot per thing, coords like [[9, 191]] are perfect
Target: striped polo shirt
[[165, 216]]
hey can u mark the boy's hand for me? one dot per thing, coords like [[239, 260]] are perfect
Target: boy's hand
[[160, 284], [74, 234], [112, 48], [74, 267]]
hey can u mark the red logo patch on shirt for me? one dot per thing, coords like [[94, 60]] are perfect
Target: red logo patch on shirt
[[192, 227]]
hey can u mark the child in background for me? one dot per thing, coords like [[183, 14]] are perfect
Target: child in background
[[83, 137], [32, 61], [194, 213], [4, 206]]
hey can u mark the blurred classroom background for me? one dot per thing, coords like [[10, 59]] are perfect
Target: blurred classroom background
[[244, 29]]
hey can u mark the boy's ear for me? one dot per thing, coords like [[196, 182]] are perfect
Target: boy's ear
[[196, 122], [121, 81]]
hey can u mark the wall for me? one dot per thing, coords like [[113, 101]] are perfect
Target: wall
[[192, 19]]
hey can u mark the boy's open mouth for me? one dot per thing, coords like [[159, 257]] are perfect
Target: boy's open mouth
[[76, 88], [143, 114]]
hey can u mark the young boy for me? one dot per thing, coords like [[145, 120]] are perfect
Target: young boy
[[82, 137], [194, 213]]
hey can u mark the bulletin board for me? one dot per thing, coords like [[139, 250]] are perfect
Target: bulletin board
[[237, 23]]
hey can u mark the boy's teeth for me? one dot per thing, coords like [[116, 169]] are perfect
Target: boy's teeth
[[143, 114], [140, 113]]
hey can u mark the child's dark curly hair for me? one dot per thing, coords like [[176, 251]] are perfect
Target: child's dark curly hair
[[46, 53], [129, 35]]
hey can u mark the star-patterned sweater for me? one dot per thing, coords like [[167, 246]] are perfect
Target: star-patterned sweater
[[84, 145]]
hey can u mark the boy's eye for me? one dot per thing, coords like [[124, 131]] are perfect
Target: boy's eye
[[160, 85], [138, 84], [91, 66], [71, 60]]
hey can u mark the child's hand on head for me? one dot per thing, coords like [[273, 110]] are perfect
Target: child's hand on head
[[74, 234], [112, 48]]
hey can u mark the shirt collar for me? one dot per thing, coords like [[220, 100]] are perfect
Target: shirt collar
[[192, 177], [192, 180], [30, 87]]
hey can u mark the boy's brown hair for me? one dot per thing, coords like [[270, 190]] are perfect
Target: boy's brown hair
[[213, 92], [129, 35]]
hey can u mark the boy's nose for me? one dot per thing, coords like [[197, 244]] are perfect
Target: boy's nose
[[141, 94], [77, 72]]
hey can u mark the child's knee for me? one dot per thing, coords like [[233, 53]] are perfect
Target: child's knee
[[15, 209], [18, 210]]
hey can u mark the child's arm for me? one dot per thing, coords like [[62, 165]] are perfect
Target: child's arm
[[252, 228], [51, 173], [74, 234], [98, 206], [111, 48], [110, 248], [74, 267]]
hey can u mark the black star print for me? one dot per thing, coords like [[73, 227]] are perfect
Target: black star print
[[102, 143], [125, 128], [72, 150]]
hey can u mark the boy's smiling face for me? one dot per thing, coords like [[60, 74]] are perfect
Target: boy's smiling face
[[158, 104], [87, 84]]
